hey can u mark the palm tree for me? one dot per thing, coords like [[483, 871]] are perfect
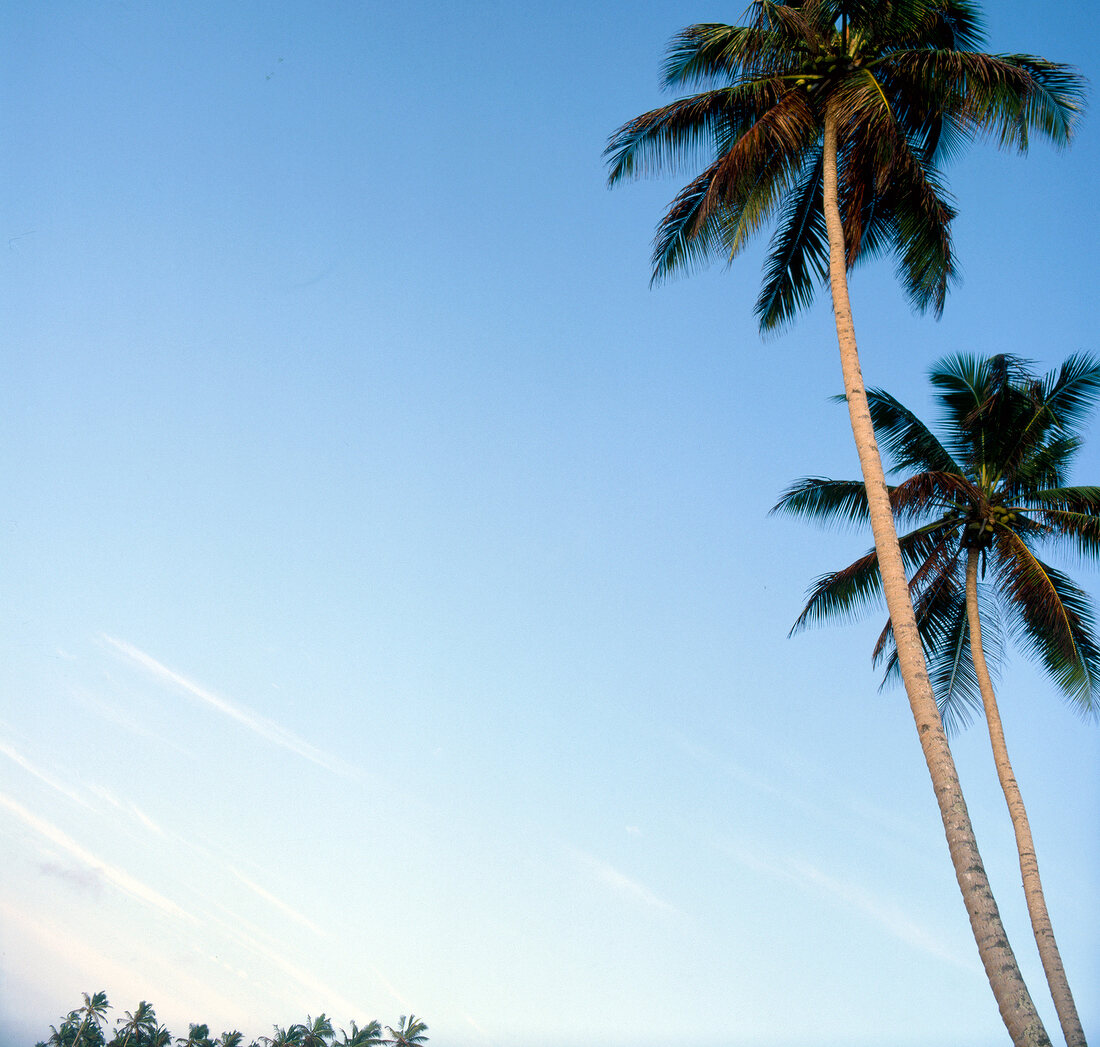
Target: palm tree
[[370, 1035], [832, 116], [137, 1026], [197, 1036], [315, 1032], [410, 1032], [229, 1039], [983, 498], [284, 1037], [161, 1037], [94, 1011], [60, 1037]]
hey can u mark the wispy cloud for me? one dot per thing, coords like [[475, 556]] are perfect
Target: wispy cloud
[[252, 721], [886, 915], [128, 807], [277, 903], [19, 759], [622, 884], [119, 877], [113, 714], [853, 896]]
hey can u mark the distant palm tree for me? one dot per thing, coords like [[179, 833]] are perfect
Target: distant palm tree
[[410, 1032], [288, 1037], [986, 496], [229, 1039], [160, 1037], [197, 1036], [315, 1032], [832, 117], [369, 1035], [137, 1026], [66, 1034], [94, 1012]]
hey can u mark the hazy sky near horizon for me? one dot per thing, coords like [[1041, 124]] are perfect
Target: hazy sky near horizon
[[392, 619]]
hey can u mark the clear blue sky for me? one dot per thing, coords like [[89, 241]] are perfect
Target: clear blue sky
[[391, 619]]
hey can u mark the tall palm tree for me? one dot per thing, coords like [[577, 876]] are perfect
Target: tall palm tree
[[985, 497], [370, 1035], [161, 1037], [410, 1032], [94, 1012], [136, 1027], [831, 116], [197, 1036], [284, 1037], [315, 1032], [61, 1037]]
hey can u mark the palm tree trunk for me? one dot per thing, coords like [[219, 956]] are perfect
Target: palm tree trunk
[[1013, 999], [1029, 863]]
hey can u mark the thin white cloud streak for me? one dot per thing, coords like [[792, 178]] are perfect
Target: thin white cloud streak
[[883, 913], [119, 877], [903, 834], [254, 722], [112, 714], [890, 918], [277, 903], [130, 808], [622, 884], [42, 776]]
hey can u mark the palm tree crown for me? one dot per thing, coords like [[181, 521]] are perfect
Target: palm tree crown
[[370, 1035], [995, 484], [410, 1032], [94, 1013], [905, 86], [136, 1027], [315, 1032]]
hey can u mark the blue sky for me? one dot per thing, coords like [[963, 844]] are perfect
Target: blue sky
[[392, 619]]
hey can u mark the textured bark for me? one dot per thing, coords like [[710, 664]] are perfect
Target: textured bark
[[1013, 999], [1029, 863]]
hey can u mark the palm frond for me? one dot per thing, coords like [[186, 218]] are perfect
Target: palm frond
[[1055, 620], [719, 210], [923, 215], [951, 667], [771, 152], [710, 52], [911, 444], [798, 256], [1072, 393], [1037, 467], [848, 593], [932, 492], [1005, 96], [825, 501], [1069, 512], [675, 135], [689, 235]]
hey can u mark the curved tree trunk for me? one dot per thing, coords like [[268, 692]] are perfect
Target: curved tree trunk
[[1013, 999], [1029, 863]]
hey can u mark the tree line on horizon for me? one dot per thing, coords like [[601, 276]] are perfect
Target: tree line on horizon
[[87, 1026]]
